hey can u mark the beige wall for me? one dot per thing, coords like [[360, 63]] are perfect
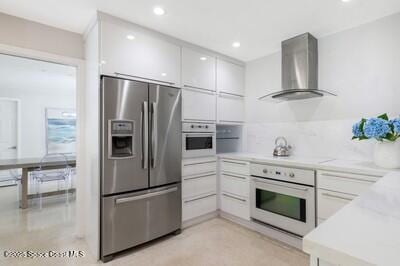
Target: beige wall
[[23, 33]]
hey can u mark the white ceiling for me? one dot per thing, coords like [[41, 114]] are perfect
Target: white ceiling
[[260, 25], [33, 76]]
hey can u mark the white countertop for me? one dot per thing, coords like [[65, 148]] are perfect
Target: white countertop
[[327, 164], [364, 232], [293, 161]]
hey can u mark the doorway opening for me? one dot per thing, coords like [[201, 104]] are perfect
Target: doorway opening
[[38, 134]]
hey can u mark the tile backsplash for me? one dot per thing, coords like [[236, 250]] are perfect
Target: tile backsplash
[[330, 138]]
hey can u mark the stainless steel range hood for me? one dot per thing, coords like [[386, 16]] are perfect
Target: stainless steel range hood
[[299, 70]]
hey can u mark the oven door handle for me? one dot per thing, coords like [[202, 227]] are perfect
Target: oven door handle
[[199, 135], [279, 185]]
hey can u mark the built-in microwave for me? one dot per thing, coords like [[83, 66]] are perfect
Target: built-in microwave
[[198, 140]]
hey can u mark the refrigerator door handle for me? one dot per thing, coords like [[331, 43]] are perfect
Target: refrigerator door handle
[[144, 133], [154, 135], [145, 196]]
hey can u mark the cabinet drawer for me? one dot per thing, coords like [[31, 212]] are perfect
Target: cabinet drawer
[[235, 184], [199, 105], [195, 207], [330, 202], [235, 205], [236, 167], [344, 182], [196, 167], [199, 185]]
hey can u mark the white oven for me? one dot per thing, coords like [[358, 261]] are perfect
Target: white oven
[[198, 140], [283, 197]]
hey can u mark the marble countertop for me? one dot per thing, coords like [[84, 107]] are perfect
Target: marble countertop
[[327, 164], [364, 232]]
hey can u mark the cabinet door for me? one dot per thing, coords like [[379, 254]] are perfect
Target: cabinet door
[[230, 108], [230, 78], [199, 105], [198, 70], [135, 52], [329, 202]]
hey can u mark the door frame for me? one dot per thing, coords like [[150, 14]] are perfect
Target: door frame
[[79, 65], [18, 102]]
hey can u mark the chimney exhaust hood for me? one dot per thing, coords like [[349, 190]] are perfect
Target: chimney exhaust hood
[[299, 70]]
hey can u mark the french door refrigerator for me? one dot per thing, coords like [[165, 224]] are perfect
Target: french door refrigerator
[[140, 163]]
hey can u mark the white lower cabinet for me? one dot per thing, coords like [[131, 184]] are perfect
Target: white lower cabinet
[[198, 206], [199, 187], [337, 189], [236, 184], [198, 105], [235, 205], [230, 108], [329, 202], [235, 188]]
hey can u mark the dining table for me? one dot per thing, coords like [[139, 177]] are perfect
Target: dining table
[[31, 164]]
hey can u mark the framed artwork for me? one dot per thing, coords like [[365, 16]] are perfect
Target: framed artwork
[[60, 131]]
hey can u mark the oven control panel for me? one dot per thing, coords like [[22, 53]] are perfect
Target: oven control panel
[[198, 127], [294, 175]]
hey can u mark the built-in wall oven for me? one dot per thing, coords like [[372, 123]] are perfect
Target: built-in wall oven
[[283, 197], [198, 140]]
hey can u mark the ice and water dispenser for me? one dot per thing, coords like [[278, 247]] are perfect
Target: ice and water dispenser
[[121, 139]]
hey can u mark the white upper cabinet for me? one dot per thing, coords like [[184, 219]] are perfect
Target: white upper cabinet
[[198, 105], [230, 109], [230, 78], [132, 51], [198, 70]]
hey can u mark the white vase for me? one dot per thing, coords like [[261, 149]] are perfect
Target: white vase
[[387, 154]]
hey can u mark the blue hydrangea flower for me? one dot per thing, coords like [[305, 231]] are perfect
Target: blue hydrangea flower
[[396, 125], [376, 128], [357, 130]]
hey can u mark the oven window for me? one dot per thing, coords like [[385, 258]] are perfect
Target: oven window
[[281, 204], [199, 143]]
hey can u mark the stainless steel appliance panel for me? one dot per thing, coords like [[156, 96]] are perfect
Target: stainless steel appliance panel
[[165, 135], [124, 100], [135, 218]]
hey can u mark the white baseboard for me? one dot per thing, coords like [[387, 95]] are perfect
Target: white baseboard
[[264, 229], [199, 219]]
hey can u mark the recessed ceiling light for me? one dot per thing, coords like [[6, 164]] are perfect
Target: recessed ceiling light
[[236, 44], [130, 37], [203, 58], [163, 74], [159, 11], [345, 1]]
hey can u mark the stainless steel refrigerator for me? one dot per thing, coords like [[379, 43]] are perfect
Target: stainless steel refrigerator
[[140, 164]]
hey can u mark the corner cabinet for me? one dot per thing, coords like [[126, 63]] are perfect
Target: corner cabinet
[[337, 189], [198, 70], [230, 78], [129, 50]]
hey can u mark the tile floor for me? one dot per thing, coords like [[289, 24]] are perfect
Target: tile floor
[[215, 242]]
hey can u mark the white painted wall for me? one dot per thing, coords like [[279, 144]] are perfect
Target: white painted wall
[[361, 65], [33, 123], [32, 35]]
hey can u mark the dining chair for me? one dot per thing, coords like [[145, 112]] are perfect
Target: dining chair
[[61, 174], [15, 177]]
